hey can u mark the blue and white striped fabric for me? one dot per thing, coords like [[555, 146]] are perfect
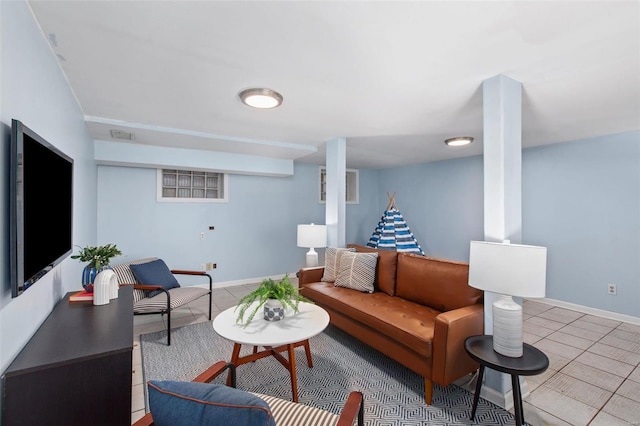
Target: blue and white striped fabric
[[393, 233]]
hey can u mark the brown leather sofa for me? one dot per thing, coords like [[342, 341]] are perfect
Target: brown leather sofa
[[420, 313]]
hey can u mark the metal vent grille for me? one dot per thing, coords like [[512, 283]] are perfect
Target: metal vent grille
[[119, 134]]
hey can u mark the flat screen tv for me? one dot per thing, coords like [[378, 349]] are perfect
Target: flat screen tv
[[41, 207]]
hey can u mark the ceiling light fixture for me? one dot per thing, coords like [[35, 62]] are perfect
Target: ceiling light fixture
[[459, 141], [261, 98]]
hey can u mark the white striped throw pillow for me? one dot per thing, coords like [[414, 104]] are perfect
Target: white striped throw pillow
[[332, 262], [357, 271]]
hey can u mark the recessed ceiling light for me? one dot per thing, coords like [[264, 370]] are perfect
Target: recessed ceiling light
[[459, 141], [261, 98]]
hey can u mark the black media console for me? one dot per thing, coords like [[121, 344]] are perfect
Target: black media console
[[76, 369]]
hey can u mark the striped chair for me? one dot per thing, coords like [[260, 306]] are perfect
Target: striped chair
[[283, 413], [166, 300]]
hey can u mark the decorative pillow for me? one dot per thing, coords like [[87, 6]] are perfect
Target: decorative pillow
[[386, 269], [332, 261], [126, 277], [192, 403], [357, 271], [155, 273]]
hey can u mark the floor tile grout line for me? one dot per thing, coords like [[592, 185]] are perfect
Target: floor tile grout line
[[544, 384], [575, 358]]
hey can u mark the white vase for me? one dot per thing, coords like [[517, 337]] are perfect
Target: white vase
[[273, 310], [102, 287], [113, 287]]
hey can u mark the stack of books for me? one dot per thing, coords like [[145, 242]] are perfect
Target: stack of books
[[81, 296]]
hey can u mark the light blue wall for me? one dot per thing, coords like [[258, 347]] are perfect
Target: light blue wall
[[441, 202], [362, 218], [581, 199], [255, 231], [35, 91]]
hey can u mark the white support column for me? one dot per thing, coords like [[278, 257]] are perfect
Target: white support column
[[335, 207], [502, 120]]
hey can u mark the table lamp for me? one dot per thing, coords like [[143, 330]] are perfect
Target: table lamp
[[509, 270], [312, 236]]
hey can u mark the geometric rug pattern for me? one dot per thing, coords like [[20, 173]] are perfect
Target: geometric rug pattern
[[393, 394]]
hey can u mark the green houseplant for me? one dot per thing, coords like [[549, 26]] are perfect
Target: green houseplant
[[283, 291], [98, 258]]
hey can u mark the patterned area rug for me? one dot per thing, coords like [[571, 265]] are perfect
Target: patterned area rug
[[393, 394]]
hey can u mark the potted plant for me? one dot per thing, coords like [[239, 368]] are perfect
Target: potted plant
[[274, 296], [98, 258]]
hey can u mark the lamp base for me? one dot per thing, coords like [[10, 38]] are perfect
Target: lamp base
[[312, 258], [507, 327]]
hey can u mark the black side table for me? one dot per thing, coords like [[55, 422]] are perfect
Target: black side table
[[533, 361]]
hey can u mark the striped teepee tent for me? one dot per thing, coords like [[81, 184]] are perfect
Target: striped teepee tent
[[393, 233]]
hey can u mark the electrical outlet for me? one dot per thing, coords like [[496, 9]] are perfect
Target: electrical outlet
[[209, 266], [611, 288], [202, 267], [215, 265], [202, 237]]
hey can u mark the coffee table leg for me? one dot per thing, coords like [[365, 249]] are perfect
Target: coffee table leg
[[476, 395], [307, 350], [234, 360], [294, 373]]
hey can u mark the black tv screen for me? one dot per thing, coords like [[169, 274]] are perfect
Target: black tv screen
[[41, 207]]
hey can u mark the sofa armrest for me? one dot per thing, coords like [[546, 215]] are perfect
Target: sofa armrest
[[310, 275], [450, 360]]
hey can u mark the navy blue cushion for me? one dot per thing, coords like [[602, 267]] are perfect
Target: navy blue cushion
[[154, 273], [192, 403]]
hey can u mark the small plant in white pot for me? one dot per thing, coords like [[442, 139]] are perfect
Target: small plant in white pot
[[273, 297]]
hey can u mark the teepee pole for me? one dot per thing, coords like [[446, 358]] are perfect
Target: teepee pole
[[392, 200]]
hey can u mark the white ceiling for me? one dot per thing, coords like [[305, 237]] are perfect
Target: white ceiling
[[394, 78]]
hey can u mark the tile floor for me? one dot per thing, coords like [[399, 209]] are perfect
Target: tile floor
[[593, 377], [594, 372]]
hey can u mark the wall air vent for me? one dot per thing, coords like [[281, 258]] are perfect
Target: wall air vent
[[119, 134]]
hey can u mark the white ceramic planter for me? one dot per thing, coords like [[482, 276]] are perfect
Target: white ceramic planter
[[273, 310]]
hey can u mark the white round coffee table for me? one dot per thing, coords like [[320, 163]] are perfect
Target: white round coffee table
[[275, 336]]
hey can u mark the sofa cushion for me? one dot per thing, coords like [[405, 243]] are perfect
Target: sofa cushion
[[357, 271], [332, 262], [441, 284], [193, 403], [402, 321], [155, 273], [385, 269]]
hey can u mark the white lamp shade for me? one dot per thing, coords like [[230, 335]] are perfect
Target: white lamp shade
[[312, 236], [511, 269]]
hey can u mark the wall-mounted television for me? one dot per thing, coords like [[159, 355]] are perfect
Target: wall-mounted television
[[41, 207]]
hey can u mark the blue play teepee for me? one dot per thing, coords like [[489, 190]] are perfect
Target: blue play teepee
[[393, 233]]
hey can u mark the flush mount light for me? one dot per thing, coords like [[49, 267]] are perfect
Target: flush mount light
[[261, 98], [459, 141]]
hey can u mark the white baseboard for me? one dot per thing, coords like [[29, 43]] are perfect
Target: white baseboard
[[588, 310], [235, 283]]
